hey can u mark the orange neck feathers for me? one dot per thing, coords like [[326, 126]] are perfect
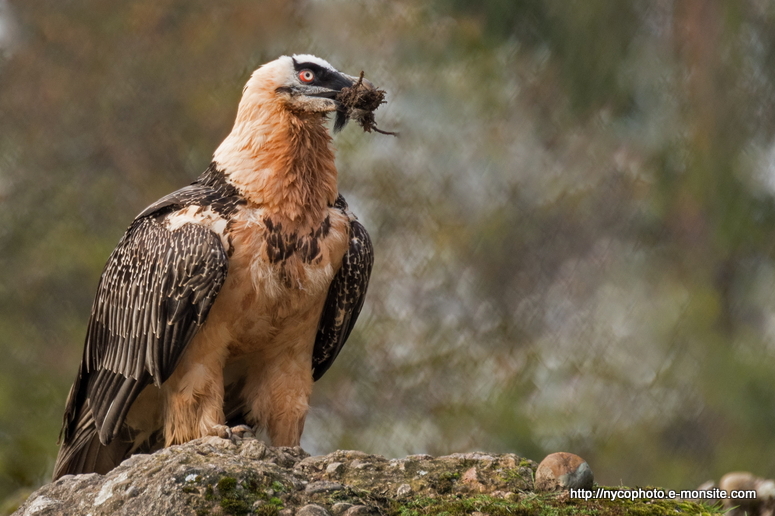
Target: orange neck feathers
[[280, 160]]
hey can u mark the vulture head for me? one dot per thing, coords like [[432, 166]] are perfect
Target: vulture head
[[301, 83]]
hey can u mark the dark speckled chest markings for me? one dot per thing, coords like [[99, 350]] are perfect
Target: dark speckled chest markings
[[281, 245]]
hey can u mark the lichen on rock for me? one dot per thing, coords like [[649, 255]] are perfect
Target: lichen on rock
[[214, 476]]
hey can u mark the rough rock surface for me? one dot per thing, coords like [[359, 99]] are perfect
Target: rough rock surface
[[219, 476], [214, 476]]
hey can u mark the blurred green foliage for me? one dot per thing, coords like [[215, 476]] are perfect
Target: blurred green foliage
[[574, 232]]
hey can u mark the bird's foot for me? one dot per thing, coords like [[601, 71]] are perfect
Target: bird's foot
[[222, 431], [242, 431], [234, 433]]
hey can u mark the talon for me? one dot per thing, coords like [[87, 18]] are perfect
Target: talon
[[222, 431], [242, 431]]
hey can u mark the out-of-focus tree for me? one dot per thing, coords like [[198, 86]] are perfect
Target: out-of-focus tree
[[674, 227], [573, 231]]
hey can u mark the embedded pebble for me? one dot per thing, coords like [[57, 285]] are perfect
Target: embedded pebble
[[766, 490], [360, 510], [738, 480], [563, 470], [253, 449], [745, 481], [312, 510], [335, 468], [403, 490], [340, 508]]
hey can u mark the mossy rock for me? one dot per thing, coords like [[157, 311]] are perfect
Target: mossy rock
[[213, 476]]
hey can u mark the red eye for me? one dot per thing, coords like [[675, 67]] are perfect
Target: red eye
[[306, 76]]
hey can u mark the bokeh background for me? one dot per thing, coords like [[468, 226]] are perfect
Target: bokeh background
[[574, 233]]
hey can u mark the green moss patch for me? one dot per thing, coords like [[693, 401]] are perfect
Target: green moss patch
[[545, 504]]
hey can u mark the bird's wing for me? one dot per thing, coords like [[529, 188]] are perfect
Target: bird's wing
[[345, 298], [155, 292]]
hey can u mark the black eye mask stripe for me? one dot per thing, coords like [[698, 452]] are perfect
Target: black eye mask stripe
[[324, 77]]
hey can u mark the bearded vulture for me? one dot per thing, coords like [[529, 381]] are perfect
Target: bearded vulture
[[225, 300]]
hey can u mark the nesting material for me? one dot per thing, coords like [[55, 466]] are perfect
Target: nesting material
[[359, 102]]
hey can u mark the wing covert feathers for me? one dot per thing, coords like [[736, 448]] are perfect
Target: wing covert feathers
[[345, 299], [156, 290]]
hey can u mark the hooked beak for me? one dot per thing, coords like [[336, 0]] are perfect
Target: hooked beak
[[346, 81]]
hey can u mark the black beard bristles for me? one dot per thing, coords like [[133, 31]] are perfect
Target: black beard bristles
[[340, 121]]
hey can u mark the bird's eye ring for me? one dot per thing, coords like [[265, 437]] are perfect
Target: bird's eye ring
[[306, 76]]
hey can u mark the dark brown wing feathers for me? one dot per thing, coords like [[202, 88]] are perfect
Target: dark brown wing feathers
[[154, 293], [345, 298], [159, 286]]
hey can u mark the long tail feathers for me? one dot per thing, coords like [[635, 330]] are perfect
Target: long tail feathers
[[82, 451]]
